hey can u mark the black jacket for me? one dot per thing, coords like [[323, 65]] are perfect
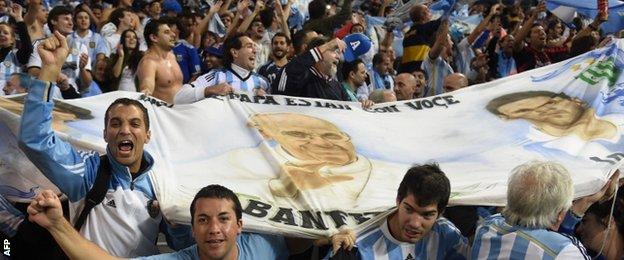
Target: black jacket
[[300, 79]]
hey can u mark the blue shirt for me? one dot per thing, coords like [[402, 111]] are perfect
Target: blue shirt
[[188, 59], [444, 241], [94, 41], [250, 246], [496, 239]]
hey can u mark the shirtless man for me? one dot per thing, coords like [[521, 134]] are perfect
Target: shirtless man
[[159, 73]]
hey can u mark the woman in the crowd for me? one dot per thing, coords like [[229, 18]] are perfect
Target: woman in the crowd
[[13, 57], [599, 226], [123, 64]]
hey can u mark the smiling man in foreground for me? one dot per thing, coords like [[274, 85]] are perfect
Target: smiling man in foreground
[[126, 222], [216, 216]]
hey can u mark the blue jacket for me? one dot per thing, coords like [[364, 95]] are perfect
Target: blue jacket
[[120, 224]]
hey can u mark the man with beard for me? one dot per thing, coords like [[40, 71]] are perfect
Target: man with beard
[[312, 74], [279, 57], [354, 76]]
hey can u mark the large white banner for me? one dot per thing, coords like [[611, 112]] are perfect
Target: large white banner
[[305, 167]]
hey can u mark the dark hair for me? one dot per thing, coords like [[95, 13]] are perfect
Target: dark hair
[[349, 67], [55, 13], [233, 42], [602, 210], [298, 39], [170, 21], [354, 25], [266, 16], [133, 56], [116, 16], [97, 6], [151, 28], [127, 102], [428, 184], [378, 58], [316, 9], [552, 24], [281, 34], [494, 104], [216, 191], [582, 45]]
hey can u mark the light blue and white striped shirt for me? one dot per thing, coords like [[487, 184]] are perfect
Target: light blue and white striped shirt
[[94, 42], [241, 83], [444, 241], [71, 66], [436, 71], [495, 239], [241, 80], [9, 65]]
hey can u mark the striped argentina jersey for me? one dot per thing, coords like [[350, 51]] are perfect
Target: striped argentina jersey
[[240, 84], [444, 241], [9, 65], [436, 70], [495, 239]]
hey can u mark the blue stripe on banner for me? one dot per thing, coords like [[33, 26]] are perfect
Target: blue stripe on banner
[[519, 248]]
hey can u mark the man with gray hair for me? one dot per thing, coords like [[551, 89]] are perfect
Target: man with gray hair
[[539, 202]]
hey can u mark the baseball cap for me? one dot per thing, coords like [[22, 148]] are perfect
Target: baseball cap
[[171, 5], [214, 51], [357, 44]]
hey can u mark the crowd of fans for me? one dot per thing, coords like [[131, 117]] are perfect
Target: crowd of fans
[[362, 51]]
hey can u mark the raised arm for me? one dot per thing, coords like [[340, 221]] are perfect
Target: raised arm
[[118, 62], [484, 23], [440, 42], [249, 19], [203, 24], [290, 79], [45, 210], [72, 172], [345, 14], [522, 33], [25, 48], [85, 70], [283, 17], [593, 26]]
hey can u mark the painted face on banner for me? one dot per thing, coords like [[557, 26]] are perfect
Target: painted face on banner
[[308, 138], [556, 111]]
